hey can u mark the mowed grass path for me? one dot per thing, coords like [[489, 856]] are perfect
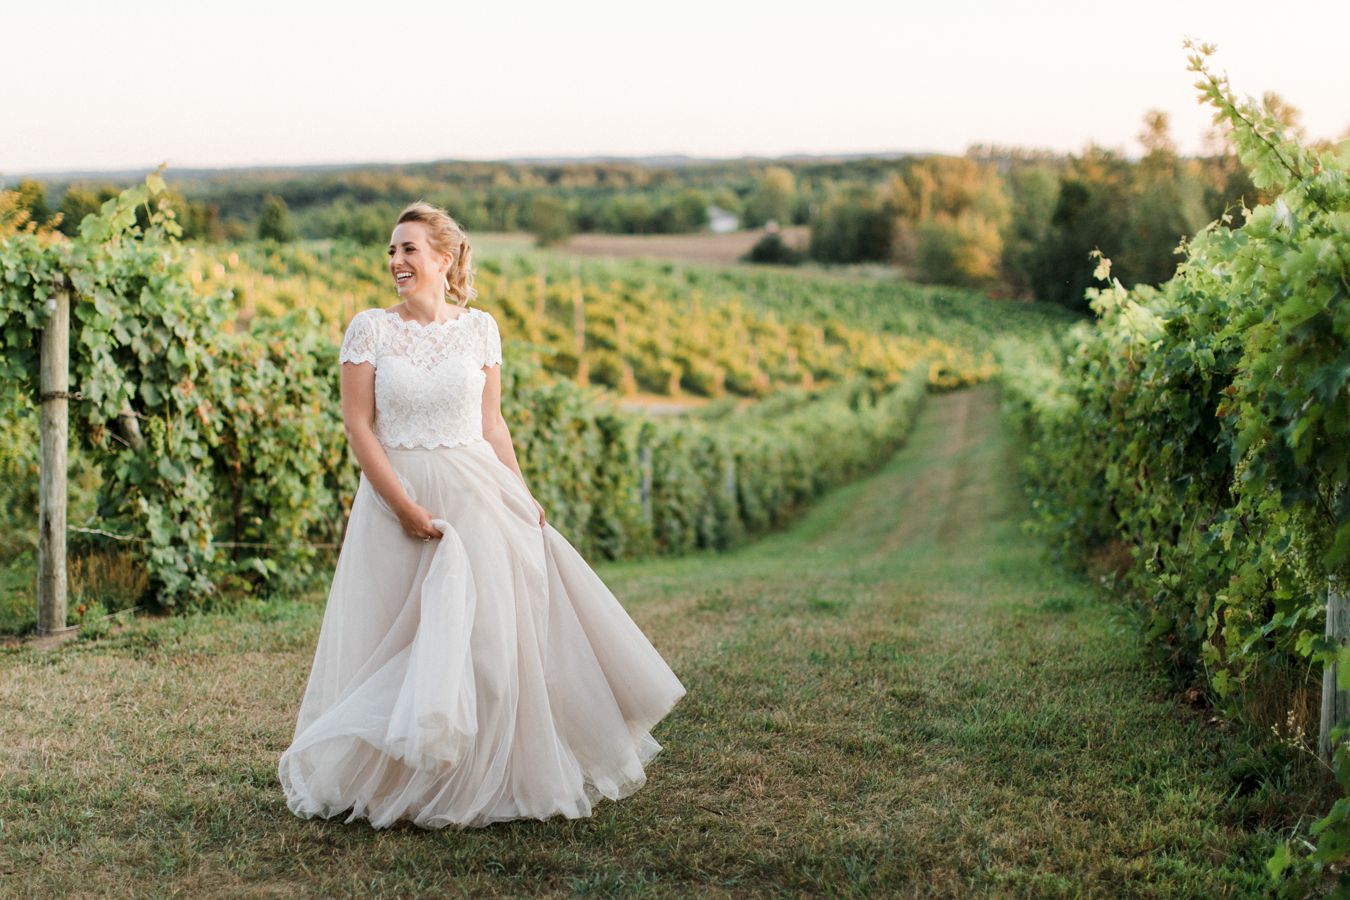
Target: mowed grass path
[[895, 697]]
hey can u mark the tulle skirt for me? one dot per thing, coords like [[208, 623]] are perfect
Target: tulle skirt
[[483, 676]]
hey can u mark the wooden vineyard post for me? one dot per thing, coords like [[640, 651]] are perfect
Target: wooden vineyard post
[[645, 480], [627, 378], [537, 327], [1335, 702], [53, 388], [579, 329]]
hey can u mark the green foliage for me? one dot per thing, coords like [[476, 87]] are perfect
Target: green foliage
[[1205, 426], [232, 449], [950, 216], [708, 483], [19, 472], [1088, 215], [278, 450], [274, 222], [714, 483], [772, 198], [852, 227], [773, 249], [33, 199], [78, 202], [689, 211], [366, 224], [549, 220], [1167, 205], [144, 363], [962, 250], [1033, 190]]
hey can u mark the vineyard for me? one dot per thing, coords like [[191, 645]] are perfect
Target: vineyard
[[657, 328], [236, 478]]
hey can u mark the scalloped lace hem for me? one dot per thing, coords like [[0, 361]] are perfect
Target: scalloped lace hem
[[468, 311], [351, 357], [421, 445]]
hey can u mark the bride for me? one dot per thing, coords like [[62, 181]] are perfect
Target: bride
[[471, 667]]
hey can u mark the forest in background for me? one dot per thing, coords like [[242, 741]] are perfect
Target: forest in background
[[1012, 222]]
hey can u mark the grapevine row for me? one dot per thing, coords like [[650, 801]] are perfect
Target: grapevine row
[[1200, 434]]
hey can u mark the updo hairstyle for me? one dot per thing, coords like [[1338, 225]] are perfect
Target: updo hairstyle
[[445, 236]]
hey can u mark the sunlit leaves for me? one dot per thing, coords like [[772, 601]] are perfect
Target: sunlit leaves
[[1205, 428]]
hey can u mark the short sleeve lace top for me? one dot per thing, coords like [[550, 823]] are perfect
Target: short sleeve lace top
[[428, 378]]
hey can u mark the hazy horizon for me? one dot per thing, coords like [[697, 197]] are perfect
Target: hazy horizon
[[50, 174], [281, 86]]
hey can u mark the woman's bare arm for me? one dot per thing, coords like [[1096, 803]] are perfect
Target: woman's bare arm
[[496, 432], [358, 421], [494, 425]]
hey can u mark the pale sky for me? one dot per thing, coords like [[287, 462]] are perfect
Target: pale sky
[[112, 85]]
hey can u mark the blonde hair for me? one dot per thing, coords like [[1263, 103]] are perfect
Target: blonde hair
[[446, 236]]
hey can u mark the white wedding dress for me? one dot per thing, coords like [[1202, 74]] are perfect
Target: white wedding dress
[[484, 676]]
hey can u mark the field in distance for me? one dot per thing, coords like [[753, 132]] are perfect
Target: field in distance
[[694, 248]]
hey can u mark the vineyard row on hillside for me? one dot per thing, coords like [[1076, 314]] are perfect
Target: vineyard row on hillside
[[641, 327], [277, 479]]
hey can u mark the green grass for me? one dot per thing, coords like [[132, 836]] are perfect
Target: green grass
[[17, 611], [895, 697]]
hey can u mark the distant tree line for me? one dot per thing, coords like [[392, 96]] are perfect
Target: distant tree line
[[1013, 222]]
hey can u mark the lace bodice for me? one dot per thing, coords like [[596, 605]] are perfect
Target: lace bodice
[[428, 378]]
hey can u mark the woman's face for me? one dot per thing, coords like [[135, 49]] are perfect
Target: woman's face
[[417, 269]]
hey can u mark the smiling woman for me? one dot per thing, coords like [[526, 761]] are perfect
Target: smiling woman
[[471, 667], [429, 248]]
